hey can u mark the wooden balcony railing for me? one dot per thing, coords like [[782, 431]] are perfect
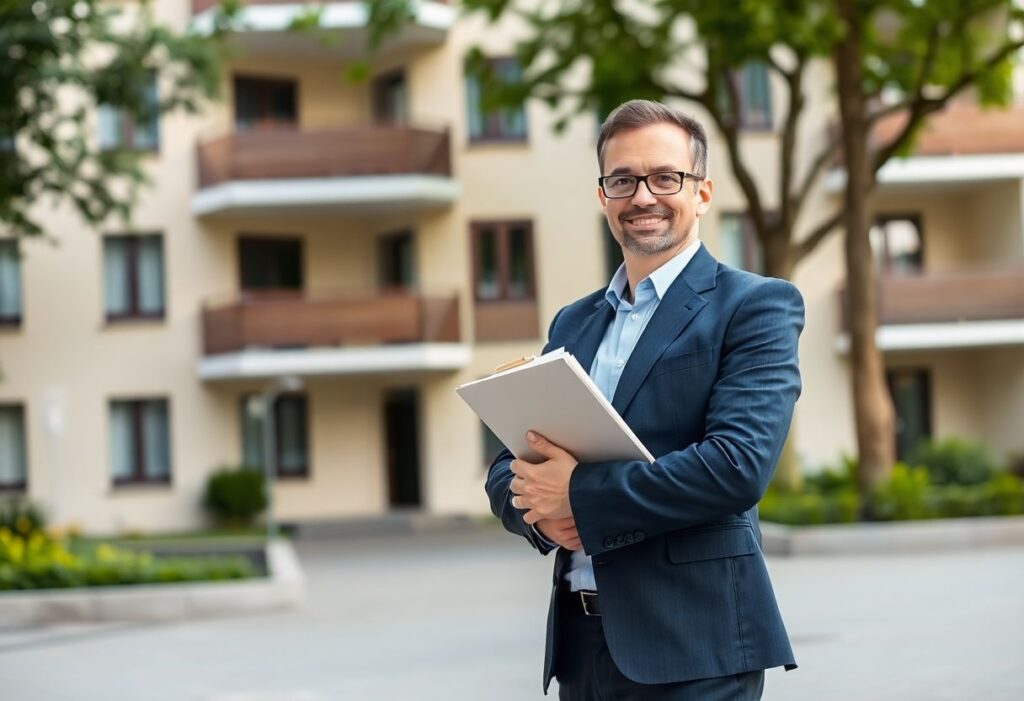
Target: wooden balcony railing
[[946, 297], [287, 154], [962, 128], [282, 320]]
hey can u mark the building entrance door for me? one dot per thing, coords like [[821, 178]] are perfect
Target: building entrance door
[[401, 422]]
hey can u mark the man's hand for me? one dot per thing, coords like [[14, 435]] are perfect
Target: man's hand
[[542, 490], [561, 531]]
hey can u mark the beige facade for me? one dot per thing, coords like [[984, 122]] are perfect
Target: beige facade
[[364, 399]]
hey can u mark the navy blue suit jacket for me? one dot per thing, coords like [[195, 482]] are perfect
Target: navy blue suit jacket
[[709, 389]]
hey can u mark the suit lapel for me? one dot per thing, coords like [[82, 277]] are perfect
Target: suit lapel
[[591, 334], [677, 309]]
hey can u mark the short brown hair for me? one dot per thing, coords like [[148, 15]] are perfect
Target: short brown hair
[[643, 113]]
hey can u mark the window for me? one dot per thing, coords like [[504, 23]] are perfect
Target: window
[[491, 443], [396, 261], [505, 124], [503, 261], [140, 445], [120, 130], [133, 277], [738, 245], [270, 263], [755, 99], [13, 463], [910, 389], [291, 435], [612, 250], [10, 284], [897, 244], [390, 98], [265, 103]]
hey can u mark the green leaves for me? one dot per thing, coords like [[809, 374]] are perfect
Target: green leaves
[[83, 51]]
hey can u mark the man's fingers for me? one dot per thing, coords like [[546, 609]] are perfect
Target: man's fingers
[[531, 517], [543, 446], [517, 485]]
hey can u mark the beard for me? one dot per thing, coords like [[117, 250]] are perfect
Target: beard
[[651, 242]]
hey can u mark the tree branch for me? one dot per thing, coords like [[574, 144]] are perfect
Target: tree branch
[[922, 106], [787, 144], [817, 235]]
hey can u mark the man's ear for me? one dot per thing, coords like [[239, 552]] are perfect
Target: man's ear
[[602, 199], [704, 190]]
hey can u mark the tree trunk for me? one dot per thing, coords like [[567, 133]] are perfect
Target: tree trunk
[[873, 411]]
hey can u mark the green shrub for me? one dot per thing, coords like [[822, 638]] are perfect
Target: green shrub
[[809, 508], [235, 496], [18, 515], [41, 562], [955, 461], [1003, 495], [834, 480], [902, 496]]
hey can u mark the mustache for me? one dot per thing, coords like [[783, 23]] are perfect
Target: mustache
[[647, 212]]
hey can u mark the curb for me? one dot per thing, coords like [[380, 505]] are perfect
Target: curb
[[284, 588], [892, 537]]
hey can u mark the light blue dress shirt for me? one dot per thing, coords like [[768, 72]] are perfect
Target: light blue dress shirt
[[619, 340]]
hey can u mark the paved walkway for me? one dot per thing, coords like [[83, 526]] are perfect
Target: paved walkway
[[460, 616]]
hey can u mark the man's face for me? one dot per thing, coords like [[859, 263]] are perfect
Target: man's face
[[649, 224]]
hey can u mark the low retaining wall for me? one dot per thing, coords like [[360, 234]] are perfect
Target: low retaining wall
[[283, 588], [892, 537]]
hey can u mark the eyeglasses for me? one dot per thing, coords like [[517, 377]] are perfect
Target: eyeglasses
[[666, 183]]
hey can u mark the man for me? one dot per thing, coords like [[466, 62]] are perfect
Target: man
[[660, 588]]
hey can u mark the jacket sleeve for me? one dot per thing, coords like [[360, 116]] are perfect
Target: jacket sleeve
[[749, 412], [498, 478]]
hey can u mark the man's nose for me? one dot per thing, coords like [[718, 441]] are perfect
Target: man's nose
[[643, 197]]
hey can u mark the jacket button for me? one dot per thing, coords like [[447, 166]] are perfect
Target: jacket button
[[608, 542], [639, 535], [627, 538]]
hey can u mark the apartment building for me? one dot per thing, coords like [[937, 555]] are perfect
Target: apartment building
[[378, 243]]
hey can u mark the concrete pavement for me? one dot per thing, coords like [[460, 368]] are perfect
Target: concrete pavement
[[460, 615]]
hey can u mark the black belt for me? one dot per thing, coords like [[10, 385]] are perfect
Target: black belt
[[583, 600]]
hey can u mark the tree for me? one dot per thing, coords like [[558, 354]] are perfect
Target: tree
[[62, 58], [692, 50], [926, 53]]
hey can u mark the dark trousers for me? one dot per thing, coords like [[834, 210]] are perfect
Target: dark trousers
[[586, 672]]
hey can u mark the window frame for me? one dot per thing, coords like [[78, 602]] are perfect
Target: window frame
[[243, 414], [880, 220], [20, 487], [15, 321], [127, 126], [134, 312], [503, 229], [278, 241], [753, 255], [493, 132], [139, 476], [922, 374], [266, 81]]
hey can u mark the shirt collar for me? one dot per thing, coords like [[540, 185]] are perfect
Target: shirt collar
[[661, 279]]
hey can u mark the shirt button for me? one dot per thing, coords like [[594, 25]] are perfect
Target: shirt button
[[634, 316], [620, 362]]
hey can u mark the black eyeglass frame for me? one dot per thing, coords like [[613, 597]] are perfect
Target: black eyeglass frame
[[683, 175]]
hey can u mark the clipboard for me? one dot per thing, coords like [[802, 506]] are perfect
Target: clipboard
[[554, 396]]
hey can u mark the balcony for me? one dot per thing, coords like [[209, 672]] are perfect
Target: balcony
[[974, 309], [963, 145], [266, 335], [331, 171], [265, 28]]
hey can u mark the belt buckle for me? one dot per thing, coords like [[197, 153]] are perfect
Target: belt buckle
[[584, 596]]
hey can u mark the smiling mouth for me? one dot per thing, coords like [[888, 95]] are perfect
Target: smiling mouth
[[644, 221]]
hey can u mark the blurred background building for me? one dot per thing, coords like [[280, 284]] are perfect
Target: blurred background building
[[387, 240]]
